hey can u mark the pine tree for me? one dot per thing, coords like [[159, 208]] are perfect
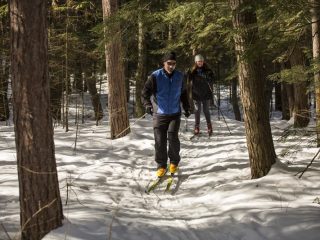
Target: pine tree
[[252, 87], [40, 203], [314, 8], [4, 60], [117, 100], [74, 51]]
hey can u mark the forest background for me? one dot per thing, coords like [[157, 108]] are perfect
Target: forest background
[[259, 46]]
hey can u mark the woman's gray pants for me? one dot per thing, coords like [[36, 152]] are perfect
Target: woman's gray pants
[[197, 111]]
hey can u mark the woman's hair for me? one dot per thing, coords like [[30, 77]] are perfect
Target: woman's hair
[[194, 67]]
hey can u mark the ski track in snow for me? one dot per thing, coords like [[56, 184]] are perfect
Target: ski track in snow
[[214, 197]]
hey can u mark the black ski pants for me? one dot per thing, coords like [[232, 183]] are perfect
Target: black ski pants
[[166, 129]]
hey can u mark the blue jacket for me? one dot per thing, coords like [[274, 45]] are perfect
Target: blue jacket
[[167, 91]]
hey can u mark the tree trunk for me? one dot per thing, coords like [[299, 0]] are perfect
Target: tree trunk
[[141, 75], [252, 88], [117, 100], [301, 114], [278, 99], [4, 76], [95, 97], [268, 94], [4, 67], [234, 100], [56, 92], [301, 105], [78, 83], [285, 102], [67, 77], [290, 97], [267, 70], [316, 52], [40, 203], [218, 88]]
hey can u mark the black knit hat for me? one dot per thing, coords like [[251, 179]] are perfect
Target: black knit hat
[[169, 56]]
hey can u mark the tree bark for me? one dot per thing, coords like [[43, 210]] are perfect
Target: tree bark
[[316, 52], [268, 94], [78, 84], [234, 100], [278, 99], [4, 67], [141, 75], [290, 97], [40, 203], [287, 95], [301, 114], [4, 76], [301, 105], [285, 102], [117, 100], [56, 92], [95, 97], [252, 88]]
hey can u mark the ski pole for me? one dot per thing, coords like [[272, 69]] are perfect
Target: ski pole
[[132, 124], [219, 110], [186, 120], [224, 120]]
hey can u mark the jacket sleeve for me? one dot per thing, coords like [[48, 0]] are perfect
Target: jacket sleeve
[[211, 77], [148, 90], [184, 95]]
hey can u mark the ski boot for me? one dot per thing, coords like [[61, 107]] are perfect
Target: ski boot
[[173, 168], [161, 172], [196, 130]]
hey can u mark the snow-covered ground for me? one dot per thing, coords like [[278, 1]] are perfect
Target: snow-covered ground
[[213, 198]]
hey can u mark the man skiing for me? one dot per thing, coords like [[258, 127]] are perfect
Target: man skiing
[[161, 96]]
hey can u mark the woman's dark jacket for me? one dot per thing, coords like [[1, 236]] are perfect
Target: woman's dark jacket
[[200, 81]]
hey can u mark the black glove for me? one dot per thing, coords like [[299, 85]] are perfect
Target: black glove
[[187, 113], [149, 110]]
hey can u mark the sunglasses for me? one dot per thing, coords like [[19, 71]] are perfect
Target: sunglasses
[[171, 63]]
